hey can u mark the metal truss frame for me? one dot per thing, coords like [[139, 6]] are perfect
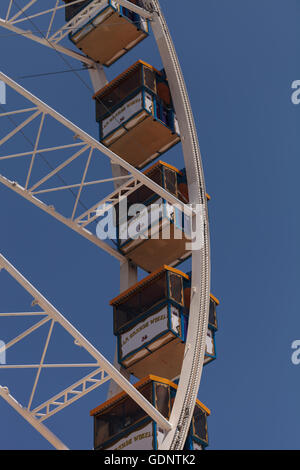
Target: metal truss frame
[[52, 39], [84, 143], [103, 370], [189, 381]]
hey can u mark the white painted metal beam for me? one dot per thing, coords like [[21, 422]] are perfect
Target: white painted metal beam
[[46, 42], [83, 16], [70, 395], [114, 374], [40, 427], [97, 145], [68, 222]]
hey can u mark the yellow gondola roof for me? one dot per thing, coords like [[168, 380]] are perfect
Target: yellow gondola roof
[[140, 383], [113, 83]]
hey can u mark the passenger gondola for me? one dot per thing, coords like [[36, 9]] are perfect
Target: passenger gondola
[[120, 424], [151, 322], [136, 116], [159, 234], [107, 31]]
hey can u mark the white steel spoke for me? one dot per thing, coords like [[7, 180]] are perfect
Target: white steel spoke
[[90, 141], [40, 427], [46, 42], [44, 150], [52, 18], [112, 199], [22, 314], [19, 111], [40, 365], [82, 182], [71, 394], [182, 410], [60, 167], [24, 334], [81, 17], [23, 16], [41, 13], [22, 10], [48, 366], [77, 185], [19, 127], [35, 150], [86, 142], [9, 9], [70, 223], [103, 370]]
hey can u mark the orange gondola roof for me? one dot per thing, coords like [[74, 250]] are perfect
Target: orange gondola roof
[[149, 278], [123, 75], [144, 281], [215, 299], [160, 162], [145, 380]]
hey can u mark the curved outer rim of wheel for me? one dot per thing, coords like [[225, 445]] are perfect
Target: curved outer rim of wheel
[[192, 366]]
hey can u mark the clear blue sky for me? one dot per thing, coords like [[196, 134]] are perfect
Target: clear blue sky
[[239, 59]]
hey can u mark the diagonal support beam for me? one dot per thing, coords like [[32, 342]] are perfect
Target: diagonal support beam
[[19, 127], [82, 183], [42, 150], [22, 314], [40, 427], [46, 42], [47, 366], [18, 111], [22, 11], [97, 145], [71, 394], [59, 168], [41, 365], [70, 223], [35, 150], [83, 342], [112, 199], [24, 334], [9, 9]]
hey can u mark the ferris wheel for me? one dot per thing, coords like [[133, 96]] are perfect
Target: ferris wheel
[[165, 323]]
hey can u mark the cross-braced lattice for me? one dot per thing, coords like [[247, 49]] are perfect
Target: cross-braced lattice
[[75, 155], [101, 372], [45, 18]]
